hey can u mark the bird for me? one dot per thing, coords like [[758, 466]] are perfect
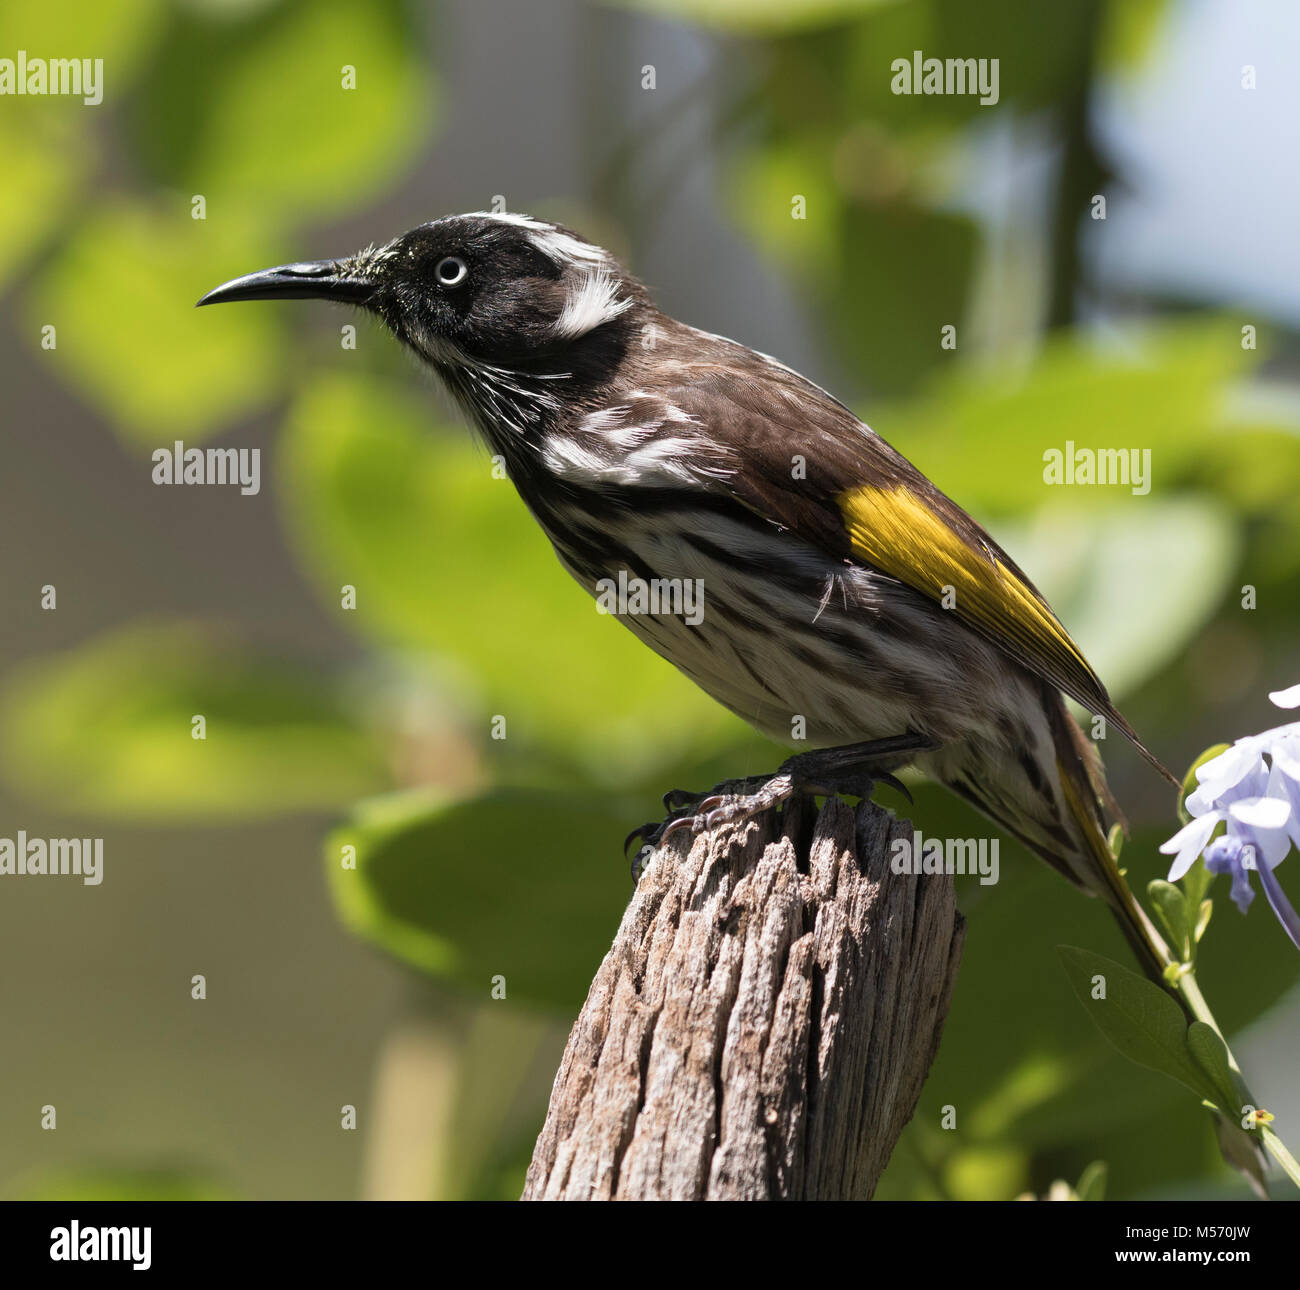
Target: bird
[[850, 609]]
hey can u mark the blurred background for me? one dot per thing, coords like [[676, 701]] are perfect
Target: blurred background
[[353, 863]]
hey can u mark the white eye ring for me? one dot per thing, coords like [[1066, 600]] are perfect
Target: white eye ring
[[451, 271]]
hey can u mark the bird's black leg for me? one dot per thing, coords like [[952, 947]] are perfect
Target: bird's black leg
[[853, 769]]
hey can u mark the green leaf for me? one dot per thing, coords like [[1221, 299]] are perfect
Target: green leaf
[[1115, 840], [525, 886], [761, 17], [1211, 1054], [1203, 919], [1092, 1182], [980, 433], [1129, 34], [1171, 909], [764, 181], [1196, 883], [121, 293], [106, 728], [445, 557], [256, 114], [122, 34], [43, 165], [1138, 1018]]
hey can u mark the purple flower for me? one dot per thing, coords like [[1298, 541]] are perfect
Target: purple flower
[[1223, 855], [1258, 802]]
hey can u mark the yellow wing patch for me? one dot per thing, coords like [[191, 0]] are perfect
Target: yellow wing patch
[[897, 532]]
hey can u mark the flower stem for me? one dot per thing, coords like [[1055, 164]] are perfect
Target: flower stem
[[1191, 992], [1277, 1149]]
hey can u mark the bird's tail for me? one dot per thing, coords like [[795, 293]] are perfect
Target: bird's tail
[[1077, 847], [1088, 802], [1055, 801]]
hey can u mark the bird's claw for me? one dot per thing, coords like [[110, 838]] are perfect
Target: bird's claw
[[737, 800], [894, 782]]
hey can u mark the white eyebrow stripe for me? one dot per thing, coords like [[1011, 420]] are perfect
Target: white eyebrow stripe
[[560, 247], [566, 249]]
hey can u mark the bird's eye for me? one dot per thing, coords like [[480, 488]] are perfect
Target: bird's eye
[[451, 271]]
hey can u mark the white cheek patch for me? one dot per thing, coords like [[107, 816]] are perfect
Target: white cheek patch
[[592, 301]]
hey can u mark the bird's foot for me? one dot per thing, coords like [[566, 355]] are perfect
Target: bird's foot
[[683, 806], [853, 770]]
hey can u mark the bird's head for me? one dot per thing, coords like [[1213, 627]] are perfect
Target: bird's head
[[503, 292]]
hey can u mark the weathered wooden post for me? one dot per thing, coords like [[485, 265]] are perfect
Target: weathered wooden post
[[764, 1021]]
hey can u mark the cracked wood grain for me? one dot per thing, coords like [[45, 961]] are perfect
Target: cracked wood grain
[[764, 1021]]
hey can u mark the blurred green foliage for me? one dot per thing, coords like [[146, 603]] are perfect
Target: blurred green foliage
[[122, 286], [277, 79], [111, 1182], [429, 879], [767, 17], [500, 858], [97, 727]]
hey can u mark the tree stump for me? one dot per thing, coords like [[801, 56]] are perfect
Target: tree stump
[[764, 1021]]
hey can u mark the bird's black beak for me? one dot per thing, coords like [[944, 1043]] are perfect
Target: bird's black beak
[[312, 280]]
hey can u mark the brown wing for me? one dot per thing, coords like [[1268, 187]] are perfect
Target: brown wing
[[812, 467]]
